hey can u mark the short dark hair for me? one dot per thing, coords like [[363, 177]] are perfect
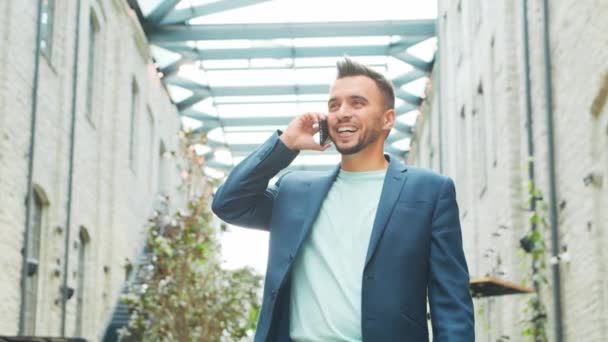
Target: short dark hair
[[347, 67]]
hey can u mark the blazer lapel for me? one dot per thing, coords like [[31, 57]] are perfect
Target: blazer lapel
[[393, 183], [318, 190]]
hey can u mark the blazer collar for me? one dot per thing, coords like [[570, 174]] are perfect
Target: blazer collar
[[393, 183]]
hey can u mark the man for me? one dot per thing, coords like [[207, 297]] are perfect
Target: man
[[353, 252]]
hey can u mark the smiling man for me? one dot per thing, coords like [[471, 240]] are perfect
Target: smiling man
[[354, 252]]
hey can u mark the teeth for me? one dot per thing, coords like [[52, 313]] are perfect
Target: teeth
[[346, 129]]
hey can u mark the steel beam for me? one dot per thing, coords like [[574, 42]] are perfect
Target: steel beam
[[277, 51], [163, 8], [408, 77], [191, 100], [408, 97], [187, 84], [198, 115], [271, 90], [241, 152], [185, 14], [248, 147], [405, 108], [304, 89], [403, 128], [271, 102], [173, 33], [413, 61], [257, 121]]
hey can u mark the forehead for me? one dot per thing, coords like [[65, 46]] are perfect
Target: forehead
[[354, 85]]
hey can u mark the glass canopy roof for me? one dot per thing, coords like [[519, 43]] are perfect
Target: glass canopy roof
[[240, 69]]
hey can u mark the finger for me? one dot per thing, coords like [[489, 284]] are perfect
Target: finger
[[325, 147], [316, 117], [317, 147]]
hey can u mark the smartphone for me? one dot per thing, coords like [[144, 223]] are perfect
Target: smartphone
[[323, 132]]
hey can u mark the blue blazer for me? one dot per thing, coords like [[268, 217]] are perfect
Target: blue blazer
[[415, 247]]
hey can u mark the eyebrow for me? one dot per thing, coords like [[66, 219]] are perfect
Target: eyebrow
[[352, 97]]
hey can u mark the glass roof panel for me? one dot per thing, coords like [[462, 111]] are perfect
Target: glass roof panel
[[250, 77], [206, 106], [246, 137], [226, 64], [148, 5], [257, 110], [223, 156], [236, 129], [217, 135], [403, 144], [284, 75], [190, 124], [321, 11], [163, 57], [425, 49], [416, 87], [188, 3], [178, 93], [408, 118]]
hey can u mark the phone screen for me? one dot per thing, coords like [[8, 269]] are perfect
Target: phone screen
[[323, 132]]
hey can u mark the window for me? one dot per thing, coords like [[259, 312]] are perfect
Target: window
[[163, 170], [93, 41], [151, 149], [491, 104], [462, 157], [33, 260], [46, 27], [133, 124], [480, 143], [82, 263]]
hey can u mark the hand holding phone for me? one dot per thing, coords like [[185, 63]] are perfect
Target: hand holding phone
[[323, 132]]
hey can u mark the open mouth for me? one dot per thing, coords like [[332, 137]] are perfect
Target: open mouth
[[346, 131]]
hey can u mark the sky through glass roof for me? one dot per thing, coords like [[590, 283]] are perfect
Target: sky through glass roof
[[216, 82], [240, 69]]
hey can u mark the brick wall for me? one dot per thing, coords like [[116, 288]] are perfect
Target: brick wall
[[111, 199], [478, 95]]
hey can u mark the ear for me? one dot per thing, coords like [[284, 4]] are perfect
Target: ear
[[388, 119]]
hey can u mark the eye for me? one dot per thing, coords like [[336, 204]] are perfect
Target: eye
[[333, 106]]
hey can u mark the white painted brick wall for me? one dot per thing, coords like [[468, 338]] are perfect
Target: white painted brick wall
[[579, 52], [109, 198]]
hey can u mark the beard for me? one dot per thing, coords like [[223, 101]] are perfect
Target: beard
[[363, 141]]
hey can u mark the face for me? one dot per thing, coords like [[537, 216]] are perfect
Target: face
[[357, 117]]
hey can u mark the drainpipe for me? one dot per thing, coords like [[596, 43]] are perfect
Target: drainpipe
[[30, 173], [66, 256], [530, 132], [556, 282], [439, 94]]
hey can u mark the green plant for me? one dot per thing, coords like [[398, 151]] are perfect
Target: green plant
[[533, 248], [186, 294]]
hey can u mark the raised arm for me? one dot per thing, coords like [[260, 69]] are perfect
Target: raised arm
[[245, 198], [450, 301]]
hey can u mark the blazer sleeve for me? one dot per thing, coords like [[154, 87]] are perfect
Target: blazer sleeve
[[245, 199], [450, 301]]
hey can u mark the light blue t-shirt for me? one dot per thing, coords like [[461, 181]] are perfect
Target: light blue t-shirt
[[327, 274]]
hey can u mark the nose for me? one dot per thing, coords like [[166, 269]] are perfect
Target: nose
[[344, 113]]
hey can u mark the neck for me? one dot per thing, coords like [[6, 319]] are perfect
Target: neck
[[365, 160]]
